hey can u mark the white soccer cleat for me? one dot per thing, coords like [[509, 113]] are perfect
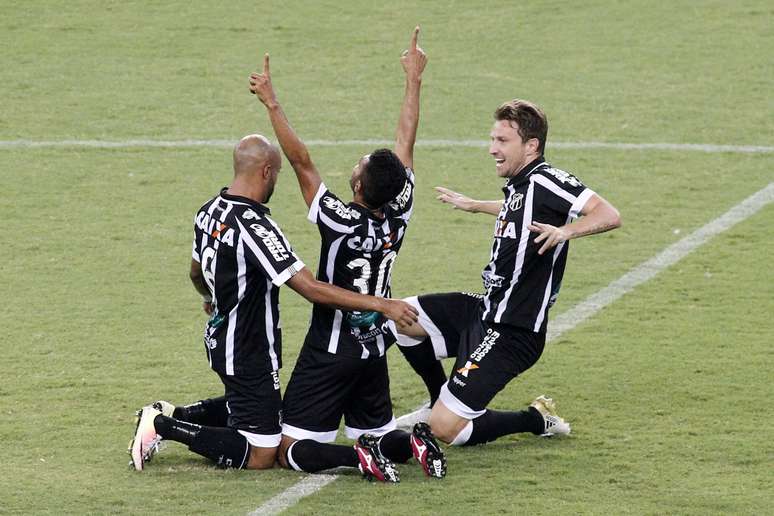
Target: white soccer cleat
[[421, 415], [146, 441], [165, 407], [553, 424]]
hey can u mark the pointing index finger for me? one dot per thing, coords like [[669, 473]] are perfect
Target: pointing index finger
[[414, 38], [266, 63]]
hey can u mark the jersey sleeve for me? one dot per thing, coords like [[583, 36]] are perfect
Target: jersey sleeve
[[195, 248], [564, 193], [403, 204], [331, 214], [264, 245]]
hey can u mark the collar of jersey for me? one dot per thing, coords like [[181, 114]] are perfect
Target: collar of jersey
[[245, 200], [524, 173]]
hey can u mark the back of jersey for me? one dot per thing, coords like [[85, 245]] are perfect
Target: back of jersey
[[244, 259], [357, 252]]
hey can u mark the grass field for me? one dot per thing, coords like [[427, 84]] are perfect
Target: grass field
[[668, 389]]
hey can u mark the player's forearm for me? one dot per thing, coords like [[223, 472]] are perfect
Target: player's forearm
[[197, 280], [490, 207], [603, 217], [342, 299], [292, 146], [408, 121]]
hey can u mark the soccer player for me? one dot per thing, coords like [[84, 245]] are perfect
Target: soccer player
[[497, 336], [240, 259], [342, 368]]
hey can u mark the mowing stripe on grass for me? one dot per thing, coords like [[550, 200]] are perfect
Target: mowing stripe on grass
[[184, 144], [587, 308]]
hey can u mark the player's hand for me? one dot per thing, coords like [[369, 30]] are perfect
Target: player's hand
[[551, 236], [457, 200], [401, 312], [208, 307], [260, 84], [413, 60]]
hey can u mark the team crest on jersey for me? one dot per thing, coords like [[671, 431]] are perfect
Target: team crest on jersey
[[250, 215], [270, 240], [564, 177], [342, 211], [516, 202]]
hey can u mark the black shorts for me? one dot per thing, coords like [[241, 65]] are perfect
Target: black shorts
[[324, 387], [445, 317], [491, 355], [254, 405]]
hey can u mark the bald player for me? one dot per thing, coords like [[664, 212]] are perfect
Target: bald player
[[240, 259]]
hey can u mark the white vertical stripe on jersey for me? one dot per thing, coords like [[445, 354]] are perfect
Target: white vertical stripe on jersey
[[495, 251], [380, 344], [522, 249], [547, 293], [365, 354], [333, 343], [270, 326], [314, 207], [232, 317], [226, 210]]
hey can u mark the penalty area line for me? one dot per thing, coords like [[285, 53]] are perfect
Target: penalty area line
[[581, 312]]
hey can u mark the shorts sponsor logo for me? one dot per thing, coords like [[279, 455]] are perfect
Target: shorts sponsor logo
[[491, 280], [275, 379], [458, 381], [489, 340], [469, 366]]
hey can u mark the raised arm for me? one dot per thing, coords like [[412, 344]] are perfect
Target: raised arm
[[324, 293], [465, 203], [295, 151], [413, 62], [598, 216]]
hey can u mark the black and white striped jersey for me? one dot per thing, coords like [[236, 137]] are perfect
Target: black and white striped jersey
[[520, 284], [244, 258], [357, 252]]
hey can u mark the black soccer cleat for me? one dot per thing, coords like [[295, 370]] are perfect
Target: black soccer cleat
[[427, 452], [374, 465]]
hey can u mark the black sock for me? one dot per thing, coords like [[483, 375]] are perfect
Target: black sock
[[493, 424], [423, 361], [227, 447], [311, 456], [396, 446], [210, 412]]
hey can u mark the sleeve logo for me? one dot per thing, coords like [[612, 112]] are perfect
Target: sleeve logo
[[272, 243], [342, 211], [564, 177]]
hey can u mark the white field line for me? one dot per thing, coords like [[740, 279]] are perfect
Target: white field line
[[589, 307], [190, 143]]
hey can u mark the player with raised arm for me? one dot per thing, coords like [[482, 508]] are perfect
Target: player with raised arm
[[342, 368], [498, 335], [240, 259]]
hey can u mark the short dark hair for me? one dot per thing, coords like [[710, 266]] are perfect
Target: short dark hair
[[383, 177], [530, 118]]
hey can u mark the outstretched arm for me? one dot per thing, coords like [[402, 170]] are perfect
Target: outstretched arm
[[465, 203], [598, 216], [324, 293], [413, 62], [308, 177]]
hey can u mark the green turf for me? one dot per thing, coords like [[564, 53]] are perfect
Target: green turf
[[666, 388]]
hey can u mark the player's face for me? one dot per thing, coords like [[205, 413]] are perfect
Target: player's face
[[357, 171], [508, 149]]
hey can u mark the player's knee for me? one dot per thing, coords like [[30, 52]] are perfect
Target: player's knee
[[262, 458], [442, 429]]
